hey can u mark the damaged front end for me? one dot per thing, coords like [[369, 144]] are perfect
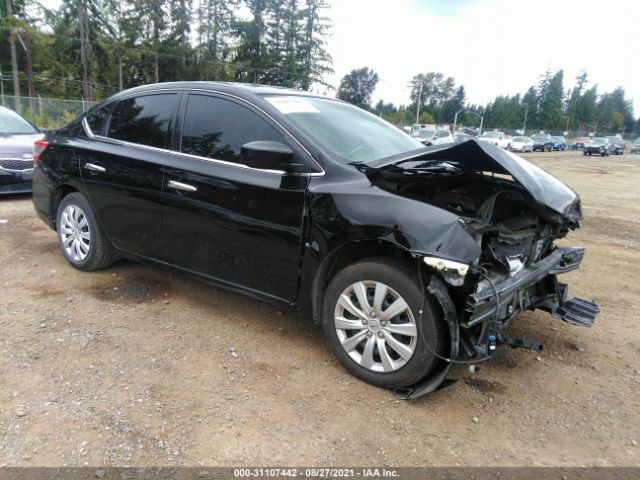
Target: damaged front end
[[515, 212]]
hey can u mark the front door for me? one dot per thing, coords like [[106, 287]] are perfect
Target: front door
[[222, 219]]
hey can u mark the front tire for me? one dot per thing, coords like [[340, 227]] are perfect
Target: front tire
[[81, 240], [372, 322]]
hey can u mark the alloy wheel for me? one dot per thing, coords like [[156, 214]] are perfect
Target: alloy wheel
[[75, 233], [375, 326]]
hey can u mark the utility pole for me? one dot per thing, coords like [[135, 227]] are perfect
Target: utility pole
[[2, 89], [526, 112], [455, 119], [14, 60], [418, 104]]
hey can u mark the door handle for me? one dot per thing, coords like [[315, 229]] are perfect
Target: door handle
[[182, 186], [94, 168]]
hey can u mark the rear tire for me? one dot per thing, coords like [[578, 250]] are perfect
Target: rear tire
[[379, 353], [81, 240]]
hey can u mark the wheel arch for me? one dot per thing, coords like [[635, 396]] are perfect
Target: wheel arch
[[346, 255], [57, 195]]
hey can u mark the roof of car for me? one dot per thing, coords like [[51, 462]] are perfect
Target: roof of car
[[240, 89]]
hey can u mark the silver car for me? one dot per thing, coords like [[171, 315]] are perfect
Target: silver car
[[521, 144], [17, 137]]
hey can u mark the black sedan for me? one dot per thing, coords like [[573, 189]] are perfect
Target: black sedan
[[17, 137], [598, 146], [410, 258], [616, 145]]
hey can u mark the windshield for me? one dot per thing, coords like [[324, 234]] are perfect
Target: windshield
[[491, 134], [347, 132], [598, 141], [539, 137], [519, 139], [12, 123]]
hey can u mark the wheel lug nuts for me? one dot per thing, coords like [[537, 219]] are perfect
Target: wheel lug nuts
[[364, 322], [368, 334], [380, 335]]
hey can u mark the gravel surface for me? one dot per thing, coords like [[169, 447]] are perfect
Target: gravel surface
[[138, 365]]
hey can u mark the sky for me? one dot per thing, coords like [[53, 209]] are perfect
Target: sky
[[492, 47]]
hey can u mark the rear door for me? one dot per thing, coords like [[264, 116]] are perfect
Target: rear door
[[121, 169], [223, 219]]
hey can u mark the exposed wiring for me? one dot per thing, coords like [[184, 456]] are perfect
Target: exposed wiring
[[424, 339]]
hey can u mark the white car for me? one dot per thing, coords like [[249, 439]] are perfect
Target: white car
[[521, 144], [497, 138], [433, 137]]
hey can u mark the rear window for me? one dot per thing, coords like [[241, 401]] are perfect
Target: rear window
[[143, 120]]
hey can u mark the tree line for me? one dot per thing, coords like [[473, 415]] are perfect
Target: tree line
[[93, 48], [547, 105]]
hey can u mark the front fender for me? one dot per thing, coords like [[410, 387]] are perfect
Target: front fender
[[366, 212]]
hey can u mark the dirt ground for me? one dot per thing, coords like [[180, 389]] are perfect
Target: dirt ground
[[138, 365]]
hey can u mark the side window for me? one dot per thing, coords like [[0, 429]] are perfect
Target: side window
[[217, 128], [96, 119], [143, 120]]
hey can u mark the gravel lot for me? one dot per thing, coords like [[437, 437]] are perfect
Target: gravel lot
[[139, 365]]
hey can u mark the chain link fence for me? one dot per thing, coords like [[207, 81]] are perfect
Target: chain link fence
[[46, 112]]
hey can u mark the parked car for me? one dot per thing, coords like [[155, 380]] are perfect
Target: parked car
[[16, 152], [579, 143], [559, 143], [462, 137], [542, 142], [433, 137], [616, 145], [521, 144], [635, 146], [314, 204], [496, 138], [599, 146]]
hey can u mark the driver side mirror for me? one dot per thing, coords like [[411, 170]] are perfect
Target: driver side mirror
[[267, 155]]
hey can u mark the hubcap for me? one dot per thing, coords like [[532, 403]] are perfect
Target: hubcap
[[75, 233], [375, 326]]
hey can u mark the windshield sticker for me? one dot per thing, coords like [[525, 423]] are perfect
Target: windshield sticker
[[287, 105]]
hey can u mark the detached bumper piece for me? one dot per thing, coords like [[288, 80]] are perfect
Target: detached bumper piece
[[534, 287], [579, 311]]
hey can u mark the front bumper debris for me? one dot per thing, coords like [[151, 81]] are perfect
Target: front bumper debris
[[534, 287]]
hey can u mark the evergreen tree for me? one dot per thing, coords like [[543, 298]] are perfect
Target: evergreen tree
[[530, 107]]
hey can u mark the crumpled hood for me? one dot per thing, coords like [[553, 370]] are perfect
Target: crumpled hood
[[18, 144], [486, 157]]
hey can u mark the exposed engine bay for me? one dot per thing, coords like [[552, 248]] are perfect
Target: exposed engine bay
[[515, 212], [511, 228]]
